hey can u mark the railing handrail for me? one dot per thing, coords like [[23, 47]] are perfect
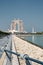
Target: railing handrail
[[24, 56]]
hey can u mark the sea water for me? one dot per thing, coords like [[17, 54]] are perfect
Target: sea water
[[36, 39]]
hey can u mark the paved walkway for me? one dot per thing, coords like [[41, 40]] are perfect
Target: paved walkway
[[24, 47]]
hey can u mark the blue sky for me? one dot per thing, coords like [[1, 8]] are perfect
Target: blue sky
[[30, 11]]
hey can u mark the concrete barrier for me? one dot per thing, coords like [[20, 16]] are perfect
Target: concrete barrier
[[14, 57], [4, 59]]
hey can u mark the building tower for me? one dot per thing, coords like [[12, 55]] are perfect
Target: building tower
[[17, 25]]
